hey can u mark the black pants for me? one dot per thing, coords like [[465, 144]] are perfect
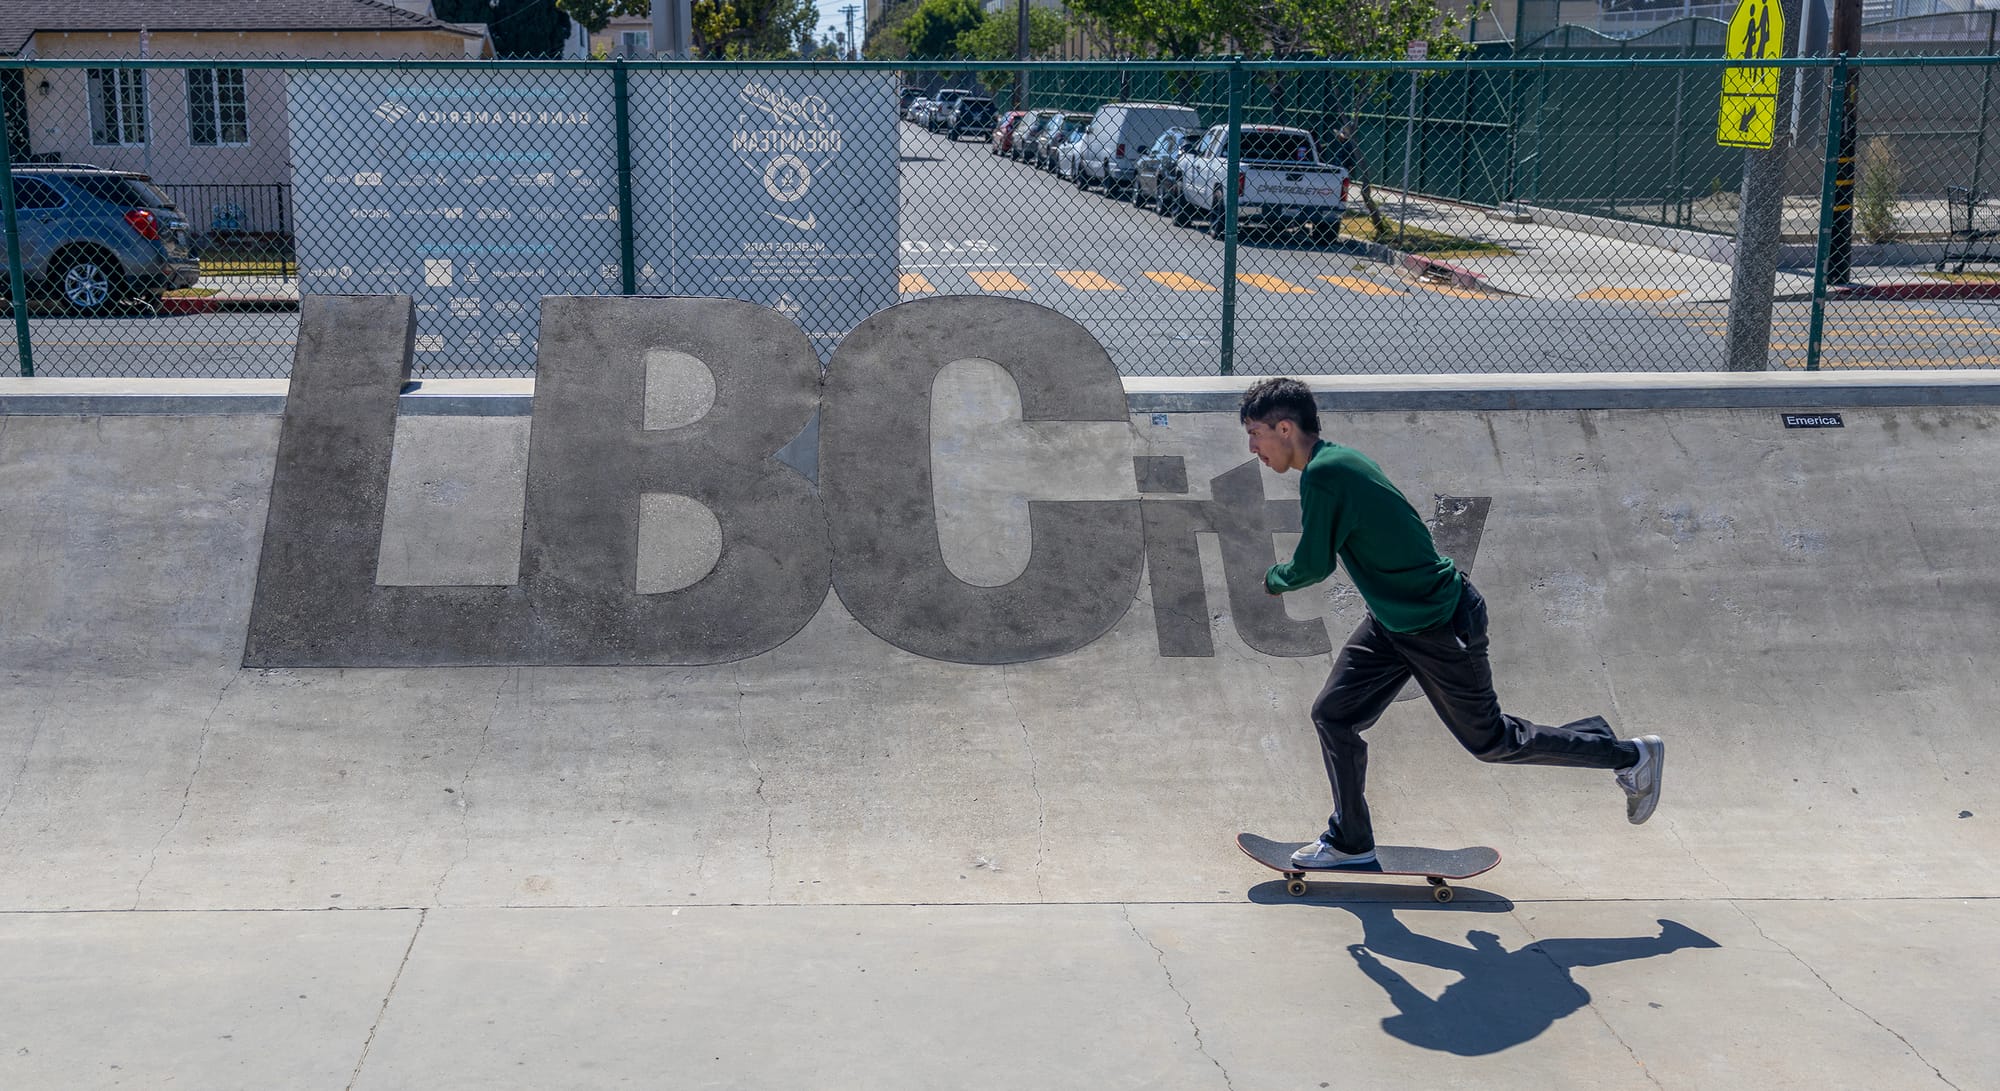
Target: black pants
[[1449, 662]]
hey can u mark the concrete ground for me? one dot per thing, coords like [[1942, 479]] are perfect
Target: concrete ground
[[839, 864]]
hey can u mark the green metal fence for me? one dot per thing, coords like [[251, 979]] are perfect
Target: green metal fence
[[1545, 212]]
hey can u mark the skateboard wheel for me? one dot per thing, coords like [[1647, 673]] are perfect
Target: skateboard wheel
[[1441, 892], [1295, 887]]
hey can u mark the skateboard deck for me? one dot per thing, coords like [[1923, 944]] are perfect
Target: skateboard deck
[[1435, 865]]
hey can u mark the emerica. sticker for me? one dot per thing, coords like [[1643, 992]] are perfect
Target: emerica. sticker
[[1813, 420]]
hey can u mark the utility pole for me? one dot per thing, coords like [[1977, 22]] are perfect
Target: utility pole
[[853, 50], [1759, 223], [673, 29], [1021, 53], [1846, 43]]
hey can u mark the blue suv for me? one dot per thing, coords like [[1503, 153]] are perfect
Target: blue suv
[[91, 237]]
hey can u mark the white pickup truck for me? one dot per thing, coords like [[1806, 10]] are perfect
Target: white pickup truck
[[1280, 182]]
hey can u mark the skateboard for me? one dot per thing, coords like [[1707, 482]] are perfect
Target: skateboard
[[1435, 865]]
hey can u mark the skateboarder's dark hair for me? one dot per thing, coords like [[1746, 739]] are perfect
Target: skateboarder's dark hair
[[1269, 401]]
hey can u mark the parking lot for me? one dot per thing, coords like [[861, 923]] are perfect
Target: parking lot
[[1154, 293]]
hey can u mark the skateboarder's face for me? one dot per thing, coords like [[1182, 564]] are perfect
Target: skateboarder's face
[[1276, 445]]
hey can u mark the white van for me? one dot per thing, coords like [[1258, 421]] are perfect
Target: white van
[[1119, 133]]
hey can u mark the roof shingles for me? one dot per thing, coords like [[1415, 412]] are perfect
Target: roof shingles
[[20, 19]]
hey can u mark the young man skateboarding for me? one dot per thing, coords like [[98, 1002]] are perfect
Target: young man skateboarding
[[1424, 620]]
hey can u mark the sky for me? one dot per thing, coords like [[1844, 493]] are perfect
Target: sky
[[830, 16]]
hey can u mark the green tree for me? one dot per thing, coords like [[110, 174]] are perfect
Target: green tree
[[998, 37], [885, 40], [520, 28], [752, 29], [933, 29]]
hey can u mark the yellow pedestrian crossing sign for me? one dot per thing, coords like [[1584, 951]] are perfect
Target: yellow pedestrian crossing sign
[[1749, 114]]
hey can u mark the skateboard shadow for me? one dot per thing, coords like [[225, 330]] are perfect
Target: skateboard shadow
[[1503, 998]]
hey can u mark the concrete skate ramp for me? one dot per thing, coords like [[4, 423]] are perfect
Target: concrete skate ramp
[[1806, 615]]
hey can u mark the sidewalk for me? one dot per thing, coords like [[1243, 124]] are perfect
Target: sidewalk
[[1561, 260], [237, 294]]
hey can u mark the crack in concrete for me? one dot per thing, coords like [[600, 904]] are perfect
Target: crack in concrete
[[1835, 993], [1034, 783], [1589, 1001], [513, 674], [1187, 1005], [1696, 860], [355, 1076], [770, 815], [21, 771], [187, 792]]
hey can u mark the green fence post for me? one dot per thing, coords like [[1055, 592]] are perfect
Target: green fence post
[[17, 282], [1229, 217], [621, 96], [1836, 121]]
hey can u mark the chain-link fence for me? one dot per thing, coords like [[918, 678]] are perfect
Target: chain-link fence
[[1546, 213]]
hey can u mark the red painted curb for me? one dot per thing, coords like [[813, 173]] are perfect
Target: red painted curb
[[1431, 267], [1922, 290]]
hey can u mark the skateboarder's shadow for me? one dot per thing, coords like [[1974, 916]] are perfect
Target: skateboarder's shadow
[[1503, 998]]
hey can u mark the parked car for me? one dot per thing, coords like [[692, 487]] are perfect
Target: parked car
[[905, 97], [945, 100], [969, 115], [1156, 177], [1118, 134], [915, 111], [1054, 136], [1003, 132], [1022, 147], [1280, 182], [1066, 157], [91, 237]]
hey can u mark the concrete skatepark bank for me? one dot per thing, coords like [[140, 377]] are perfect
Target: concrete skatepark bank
[[668, 423]]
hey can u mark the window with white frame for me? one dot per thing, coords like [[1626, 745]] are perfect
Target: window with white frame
[[117, 105], [218, 108], [635, 43]]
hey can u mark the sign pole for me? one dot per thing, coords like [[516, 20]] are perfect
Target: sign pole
[[1748, 118], [1846, 43]]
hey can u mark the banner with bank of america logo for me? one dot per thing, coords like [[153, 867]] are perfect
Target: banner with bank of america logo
[[478, 192]]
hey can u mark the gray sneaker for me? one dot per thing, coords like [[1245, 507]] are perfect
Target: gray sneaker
[[1641, 780], [1319, 854]]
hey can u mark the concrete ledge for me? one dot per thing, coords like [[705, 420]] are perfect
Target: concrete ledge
[[1614, 390], [62, 397], [1213, 394]]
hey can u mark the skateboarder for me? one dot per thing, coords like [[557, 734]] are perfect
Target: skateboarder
[[1424, 620]]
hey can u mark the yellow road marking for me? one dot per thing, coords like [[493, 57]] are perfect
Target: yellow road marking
[[1450, 290], [1631, 295], [914, 282], [1274, 284], [1961, 361], [998, 280], [1874, 346], [1083, 280], [1356, 284], [157, 344], [1836, 319], [1181, 282]]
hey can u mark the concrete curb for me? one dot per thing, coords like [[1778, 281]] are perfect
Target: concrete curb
[[1941, 290], [513, 397], [183, 305]]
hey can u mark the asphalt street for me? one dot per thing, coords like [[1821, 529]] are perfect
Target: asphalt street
[[1153, 294]]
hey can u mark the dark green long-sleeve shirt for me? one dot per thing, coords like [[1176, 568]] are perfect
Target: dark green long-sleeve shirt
[[1350, 510]]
